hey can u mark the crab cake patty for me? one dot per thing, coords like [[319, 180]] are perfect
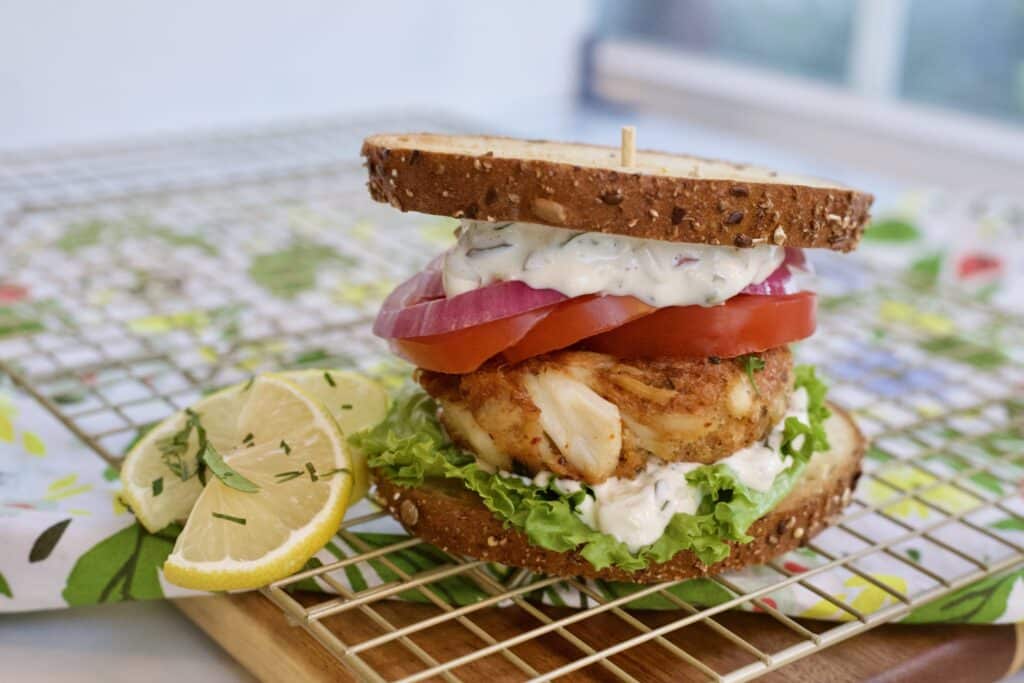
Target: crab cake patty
[[591, 416]]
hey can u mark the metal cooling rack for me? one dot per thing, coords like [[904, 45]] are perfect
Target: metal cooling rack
[[115, 342]]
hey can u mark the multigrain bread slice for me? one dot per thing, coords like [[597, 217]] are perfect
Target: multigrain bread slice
[[454, 519], [662, 196]]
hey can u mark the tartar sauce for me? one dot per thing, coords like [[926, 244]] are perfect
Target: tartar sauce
[[636, 511], [575, 263]]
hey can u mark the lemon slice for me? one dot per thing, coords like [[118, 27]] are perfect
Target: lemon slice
[[158, 475], [277, 487], [355, 401], [151, 472]]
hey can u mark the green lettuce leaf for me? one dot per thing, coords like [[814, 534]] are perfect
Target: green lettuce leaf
[[410, 446], [815, 438]]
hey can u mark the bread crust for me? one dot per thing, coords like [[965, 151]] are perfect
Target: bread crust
[[454, 519], [493, 187]]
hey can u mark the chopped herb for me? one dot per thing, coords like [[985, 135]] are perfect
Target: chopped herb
[[574, 236], [331, 473], [248, 385], [346, 406], [310, 357], [173, 449], [664, 505], [330, 380], [470, 253], [502, 226], [282, 477], [230, 518], [223, 471], [312, 471], [248, 438], [753, 364], [285, 447], [158, 486]]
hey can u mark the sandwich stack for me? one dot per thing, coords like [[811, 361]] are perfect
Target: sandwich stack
[[604, 386]]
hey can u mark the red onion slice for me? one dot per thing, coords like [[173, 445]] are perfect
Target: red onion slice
[[417, 308], [790, 277]]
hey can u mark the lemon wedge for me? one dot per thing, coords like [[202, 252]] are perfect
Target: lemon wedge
[[275, 494], [261, 471]]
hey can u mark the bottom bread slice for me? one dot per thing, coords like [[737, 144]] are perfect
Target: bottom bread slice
[[454, 519]]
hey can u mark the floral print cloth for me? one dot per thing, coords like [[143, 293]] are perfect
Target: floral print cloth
[[920, 336]]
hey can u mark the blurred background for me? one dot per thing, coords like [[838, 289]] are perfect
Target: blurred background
[[926, 91]]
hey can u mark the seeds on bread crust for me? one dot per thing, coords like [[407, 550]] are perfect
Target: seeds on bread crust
[[731, 204]]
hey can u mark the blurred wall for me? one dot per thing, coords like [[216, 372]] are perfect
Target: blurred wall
[[102, 69]]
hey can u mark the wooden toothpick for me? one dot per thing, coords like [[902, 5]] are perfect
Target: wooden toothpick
[[629, 145]]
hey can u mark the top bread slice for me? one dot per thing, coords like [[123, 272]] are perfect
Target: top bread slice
[[662, 196]]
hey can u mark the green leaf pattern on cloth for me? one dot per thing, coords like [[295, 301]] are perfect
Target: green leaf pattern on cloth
[[14, 321], [291, 271], [98, 232], [984, 602], [310, 584], [892, 230], [1009, 524], [124, 566], [47, 541]]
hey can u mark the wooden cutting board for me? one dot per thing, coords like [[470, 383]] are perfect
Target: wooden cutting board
[[256, 633]]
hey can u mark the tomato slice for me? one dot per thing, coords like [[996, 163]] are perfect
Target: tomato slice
[[743, 324], [621, 326], [577, 319], [466, 350]]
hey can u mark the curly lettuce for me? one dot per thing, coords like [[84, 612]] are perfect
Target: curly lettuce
[[410, 447]]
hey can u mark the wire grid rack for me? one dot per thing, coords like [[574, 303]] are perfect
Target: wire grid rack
[[126, 329]]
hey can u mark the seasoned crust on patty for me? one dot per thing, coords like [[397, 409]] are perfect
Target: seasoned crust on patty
[[603, 416]]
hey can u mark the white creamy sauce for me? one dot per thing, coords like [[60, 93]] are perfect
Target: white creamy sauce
[[575, 263], [757, 466], [636, 511]]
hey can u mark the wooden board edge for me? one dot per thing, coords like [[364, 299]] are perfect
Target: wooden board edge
[[258, 635]]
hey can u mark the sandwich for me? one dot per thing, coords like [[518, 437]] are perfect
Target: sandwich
[[603, 385]]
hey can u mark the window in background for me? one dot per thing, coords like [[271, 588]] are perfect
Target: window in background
[[966, 54], [960, 54], [808, 37]]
